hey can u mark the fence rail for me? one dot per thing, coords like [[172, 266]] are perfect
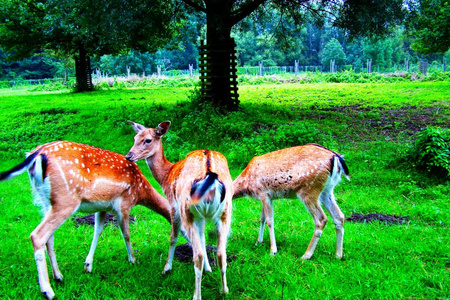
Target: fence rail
[[260, 70]]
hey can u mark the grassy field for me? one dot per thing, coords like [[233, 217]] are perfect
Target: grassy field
[[373, 125]]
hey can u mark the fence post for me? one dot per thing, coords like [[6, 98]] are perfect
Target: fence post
[[158, 68], [369, 66], [296, 68], [332, 65], [444, 65], [191, 70], [260, 68], [406, 65], [423, 66], [128, 71]]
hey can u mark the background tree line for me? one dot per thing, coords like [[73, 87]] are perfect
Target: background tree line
[[111, 34], [310, 46]]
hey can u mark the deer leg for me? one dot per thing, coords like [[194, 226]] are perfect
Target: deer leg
[[199, 257], [261, 227], [320, 220], [174, 232], [223, 229], [268, 212], [124, 221], [201, 233], [40, 237], [99, 222], [338, 218], [52, 257]]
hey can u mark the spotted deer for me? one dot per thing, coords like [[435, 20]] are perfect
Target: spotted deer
[[199, 188], [309, 172], [67, 177]]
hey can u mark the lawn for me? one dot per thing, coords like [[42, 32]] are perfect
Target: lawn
[[373, 125]]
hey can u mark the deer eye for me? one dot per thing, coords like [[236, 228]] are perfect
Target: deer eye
[[148, 141]]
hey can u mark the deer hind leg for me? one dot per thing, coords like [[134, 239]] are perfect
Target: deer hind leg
[[320, 220], [267, 210], [223, 229], [99, 223], [52, 257], [338, 218], [261, 227], [199, 257], [124, 220], [41, 236], [201, 233]]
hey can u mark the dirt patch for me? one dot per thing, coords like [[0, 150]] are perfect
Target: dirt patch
[[90, 219], [387, 122], [387, 219], [184, 254]]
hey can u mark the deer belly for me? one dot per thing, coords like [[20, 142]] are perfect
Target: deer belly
[[99, 205]]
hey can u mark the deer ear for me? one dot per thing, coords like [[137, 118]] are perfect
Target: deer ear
[[137, 127], [163, 128]]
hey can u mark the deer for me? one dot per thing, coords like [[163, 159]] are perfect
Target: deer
[[310, 173], [68, 177], [199, 188]]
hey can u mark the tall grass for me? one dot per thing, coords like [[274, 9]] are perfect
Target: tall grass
[[373, 125]]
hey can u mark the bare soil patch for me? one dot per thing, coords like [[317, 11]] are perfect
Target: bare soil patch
[[90, 219], [184, 253], [387, 122], [369, 218]]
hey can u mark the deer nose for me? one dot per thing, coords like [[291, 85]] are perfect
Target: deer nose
[[129, 156]]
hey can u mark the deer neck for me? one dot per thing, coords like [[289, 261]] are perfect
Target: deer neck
[[150, 198], [159, 166]]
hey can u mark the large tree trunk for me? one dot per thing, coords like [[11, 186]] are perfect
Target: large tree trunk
[[222, 47], [83, 71]]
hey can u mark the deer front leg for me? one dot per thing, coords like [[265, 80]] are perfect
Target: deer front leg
[[124, 221], [99, 222], [173, 243]]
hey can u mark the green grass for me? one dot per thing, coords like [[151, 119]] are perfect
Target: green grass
[[373, 125]]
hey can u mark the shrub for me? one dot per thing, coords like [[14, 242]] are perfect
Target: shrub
[[432, 150]]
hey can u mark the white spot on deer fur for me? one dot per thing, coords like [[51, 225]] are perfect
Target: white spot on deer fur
[[82, 165], [76, 160], [88, 170]]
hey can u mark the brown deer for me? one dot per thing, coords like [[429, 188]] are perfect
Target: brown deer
[[67, 177], [199, 188], [309, 172]]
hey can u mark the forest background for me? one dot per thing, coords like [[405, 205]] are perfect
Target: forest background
[[308, 46]]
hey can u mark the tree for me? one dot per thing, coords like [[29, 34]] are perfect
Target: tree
[[360, 17], [430, 24], [333, 50], [84, 28]]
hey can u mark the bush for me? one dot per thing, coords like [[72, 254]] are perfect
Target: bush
[[432, 150]]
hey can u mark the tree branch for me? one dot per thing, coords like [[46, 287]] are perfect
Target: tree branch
[[195, 5], [246, 9]]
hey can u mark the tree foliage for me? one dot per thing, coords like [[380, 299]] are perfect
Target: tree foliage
[[430, 25], [85, 28], [333, 50]]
